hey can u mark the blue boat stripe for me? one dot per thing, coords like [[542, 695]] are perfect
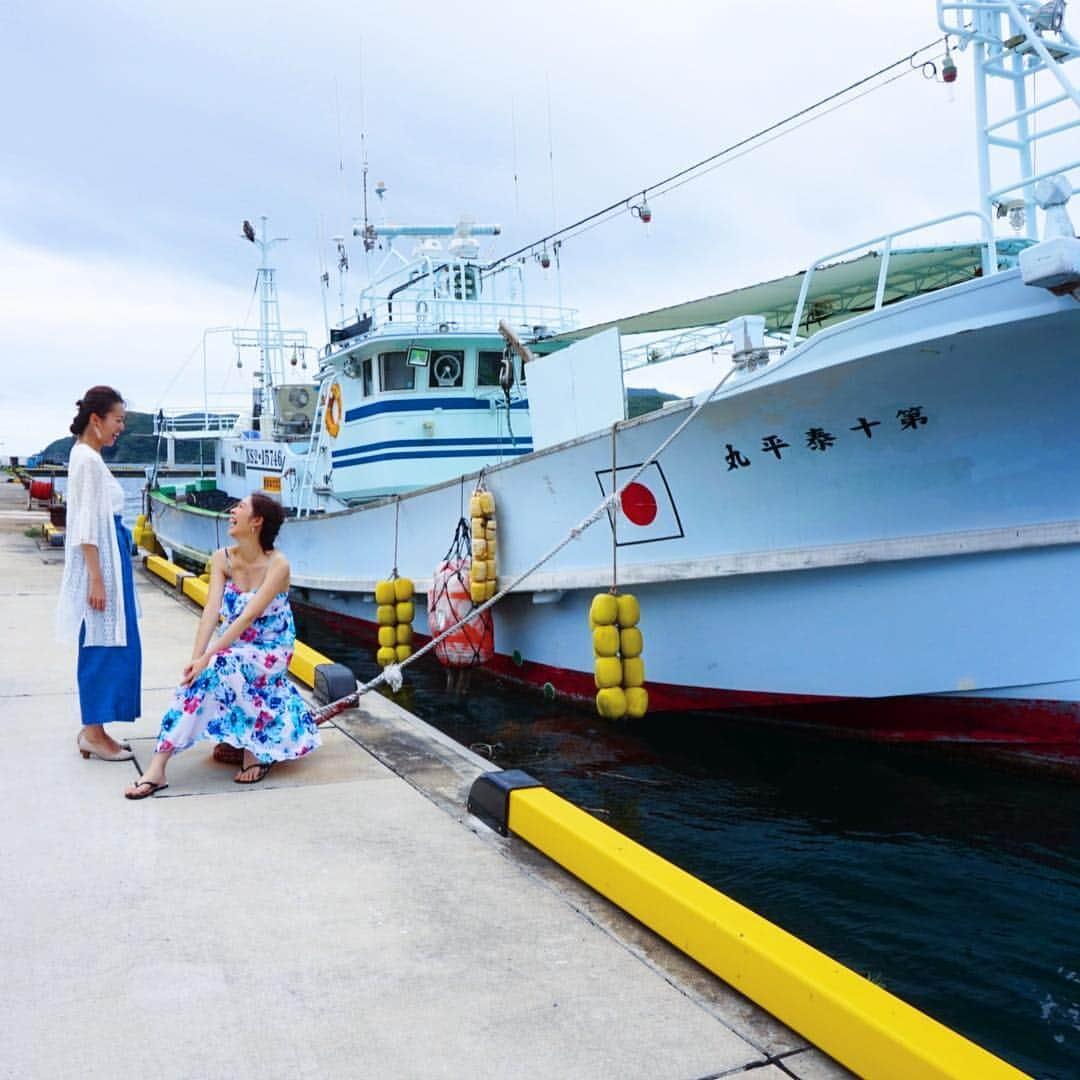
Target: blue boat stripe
[[493, 442], [430, 454], [423, 405]]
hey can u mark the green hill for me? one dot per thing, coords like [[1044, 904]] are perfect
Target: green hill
[[639, 400], [138, 446]]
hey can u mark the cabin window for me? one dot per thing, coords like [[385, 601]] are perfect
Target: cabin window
[[394, 371], [368, 377], [488, 366], [446, 368]]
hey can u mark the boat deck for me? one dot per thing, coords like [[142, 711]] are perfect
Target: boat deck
[[345, 917]]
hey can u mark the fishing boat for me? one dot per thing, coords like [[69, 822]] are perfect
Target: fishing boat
[[870, 524]]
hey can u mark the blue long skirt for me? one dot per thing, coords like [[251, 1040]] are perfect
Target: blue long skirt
[[110, 676]]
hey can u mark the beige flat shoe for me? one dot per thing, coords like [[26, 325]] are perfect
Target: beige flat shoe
[[125, 753]]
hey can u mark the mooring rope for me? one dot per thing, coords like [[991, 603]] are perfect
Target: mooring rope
[[397, 511], [391, 674], [614, 515]]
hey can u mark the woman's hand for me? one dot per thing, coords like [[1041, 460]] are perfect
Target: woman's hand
[[95, 595], [194, 669]]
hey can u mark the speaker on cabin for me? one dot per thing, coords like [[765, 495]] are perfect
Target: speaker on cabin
[[295, 412]]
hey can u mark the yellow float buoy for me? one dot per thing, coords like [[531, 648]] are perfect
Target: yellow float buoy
[[617, 647], [604, 611], [637, 702], [633, 671], [611, 703], [394, 613], [629, 612], [608, 672], [605, 640], [630, 641]]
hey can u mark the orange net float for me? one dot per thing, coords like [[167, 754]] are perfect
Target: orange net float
[[449, 601]]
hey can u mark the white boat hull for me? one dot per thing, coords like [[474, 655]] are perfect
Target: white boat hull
[[891, 510]]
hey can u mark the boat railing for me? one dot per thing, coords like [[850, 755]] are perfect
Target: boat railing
[[987, 244], [430, 315], [194, 423]]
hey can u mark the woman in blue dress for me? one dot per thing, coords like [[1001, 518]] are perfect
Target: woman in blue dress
[[236, 689], [97, 595]]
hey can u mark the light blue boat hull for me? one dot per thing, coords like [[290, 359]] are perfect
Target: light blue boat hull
[[893, 509]]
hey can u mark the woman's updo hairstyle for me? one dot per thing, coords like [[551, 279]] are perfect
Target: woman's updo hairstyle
[[262, 506], [97, 401]]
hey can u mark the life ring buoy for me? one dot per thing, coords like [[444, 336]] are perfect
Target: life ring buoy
[[334, 411]]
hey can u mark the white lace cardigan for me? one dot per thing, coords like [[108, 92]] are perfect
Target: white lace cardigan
[[94, 495]]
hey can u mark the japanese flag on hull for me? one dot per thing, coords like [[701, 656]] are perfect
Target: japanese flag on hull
[[647, 511]]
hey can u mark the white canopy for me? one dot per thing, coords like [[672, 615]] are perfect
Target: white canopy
[[837, 292]]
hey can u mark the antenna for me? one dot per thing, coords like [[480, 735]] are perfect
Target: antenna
[[324, 274], [341, 148], [513, 143], [343, 269], [551, 157], [369, 236], [554, 216]]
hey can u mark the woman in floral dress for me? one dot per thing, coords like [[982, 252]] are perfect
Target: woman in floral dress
[[236, 689]]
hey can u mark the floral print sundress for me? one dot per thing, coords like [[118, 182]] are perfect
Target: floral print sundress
[[244, 697]]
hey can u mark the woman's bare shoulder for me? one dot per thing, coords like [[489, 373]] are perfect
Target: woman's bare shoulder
[[278, 561]]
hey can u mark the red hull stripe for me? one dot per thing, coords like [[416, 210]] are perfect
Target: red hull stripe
[[1050, 727]]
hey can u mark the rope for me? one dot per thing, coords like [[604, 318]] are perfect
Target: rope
[[621, 204], [397, 511], [392, 673], [664, 187], [614, 517]]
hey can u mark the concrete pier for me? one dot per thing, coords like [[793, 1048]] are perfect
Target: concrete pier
[[346, 917]]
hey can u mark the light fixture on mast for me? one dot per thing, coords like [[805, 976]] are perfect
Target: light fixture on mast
[[1051, 16]]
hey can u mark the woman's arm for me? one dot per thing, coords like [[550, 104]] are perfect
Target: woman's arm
[[276, 581], [83, 501], [212, 607], [95, 594]]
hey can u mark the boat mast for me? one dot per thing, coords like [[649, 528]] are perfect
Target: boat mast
[[273, 360], [1014, 40]]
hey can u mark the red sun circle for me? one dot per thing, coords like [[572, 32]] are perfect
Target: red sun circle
[[639, 504]]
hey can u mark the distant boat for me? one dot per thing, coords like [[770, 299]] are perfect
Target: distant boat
[[872, 525]]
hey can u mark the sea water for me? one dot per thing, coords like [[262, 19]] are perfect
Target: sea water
[[950, 880]]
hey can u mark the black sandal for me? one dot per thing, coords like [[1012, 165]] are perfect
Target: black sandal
[[152, 789], [262, 766]]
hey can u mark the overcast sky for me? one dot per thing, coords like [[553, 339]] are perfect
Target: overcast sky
[[138, 136]]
